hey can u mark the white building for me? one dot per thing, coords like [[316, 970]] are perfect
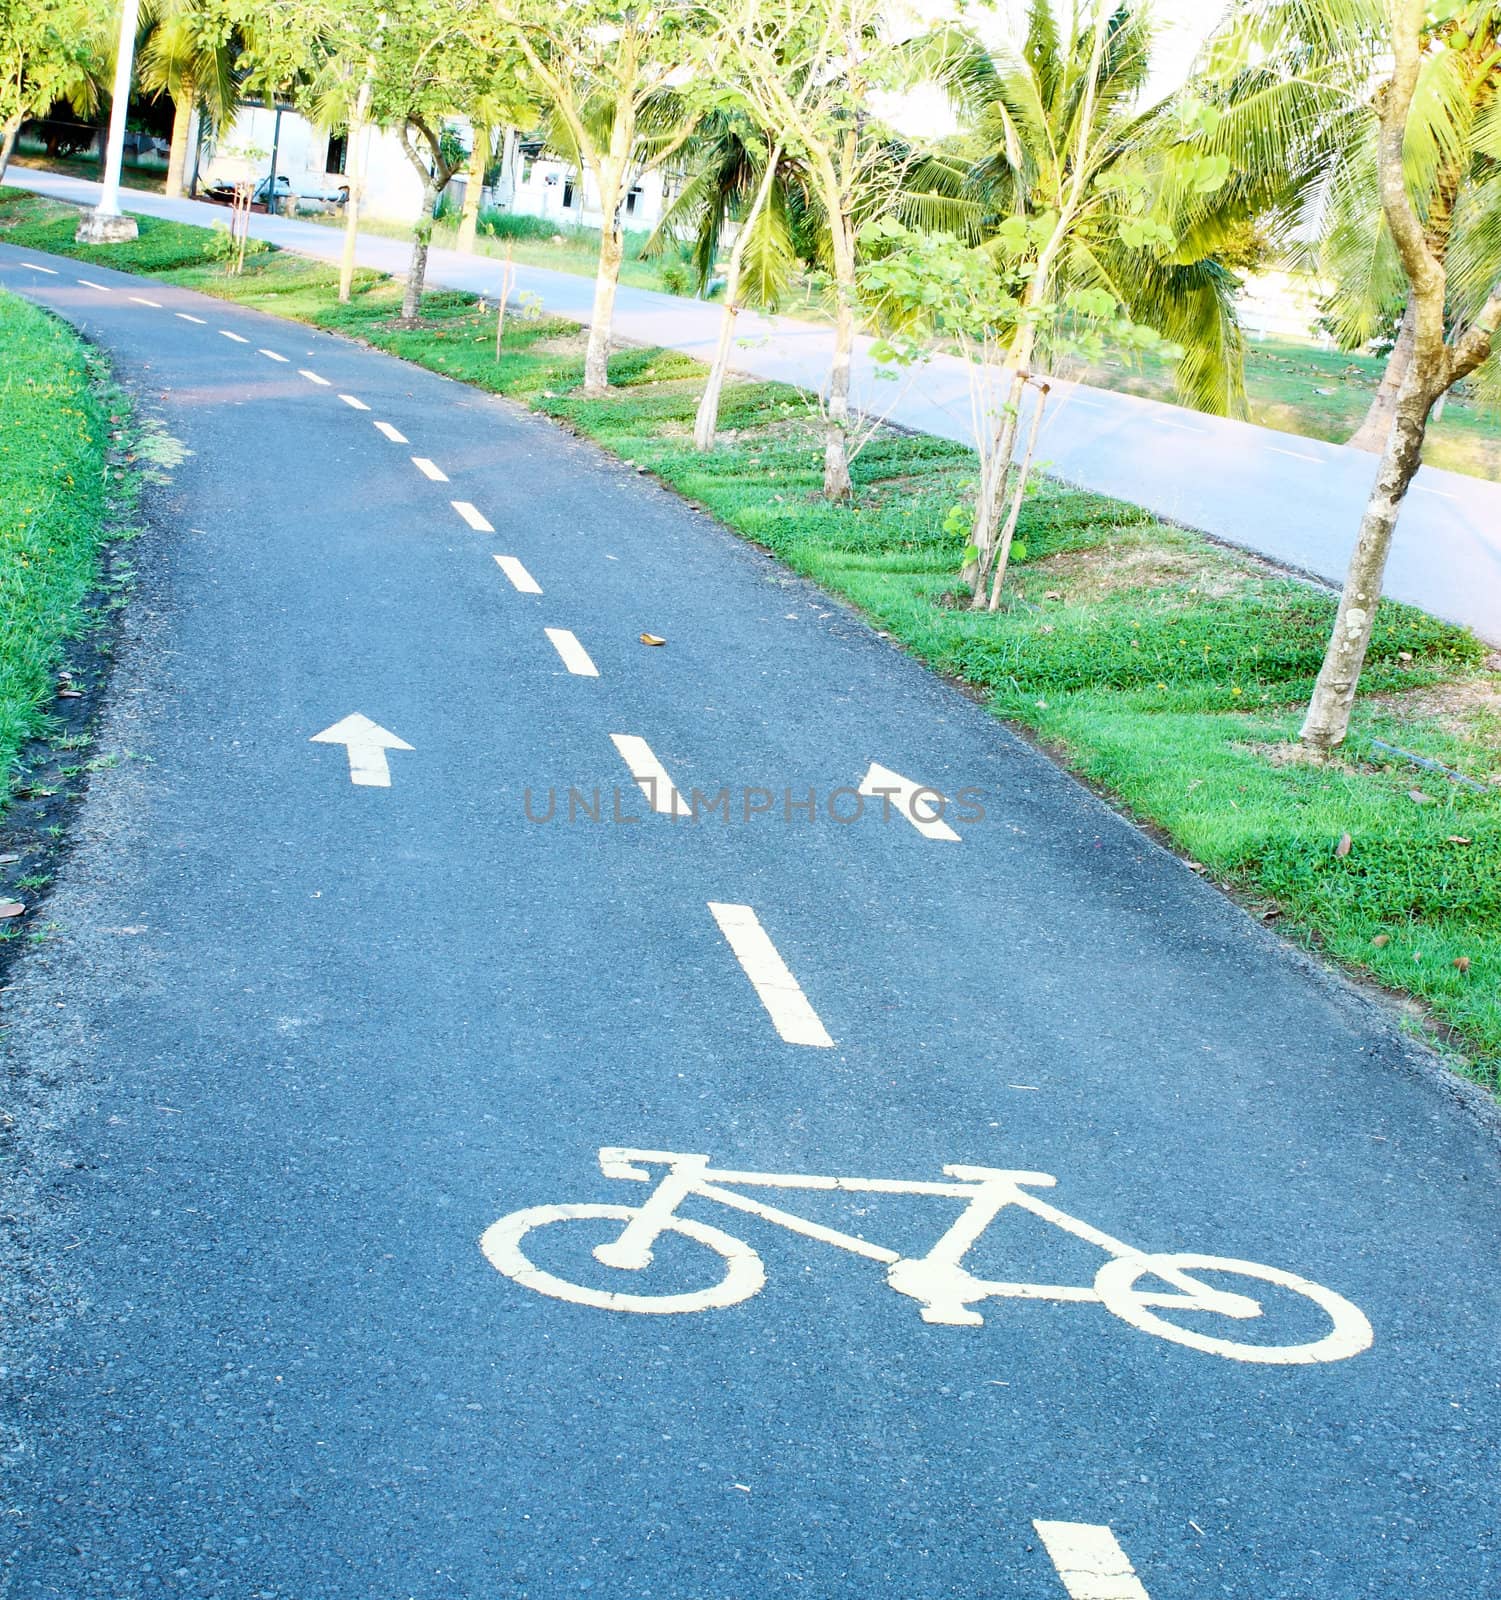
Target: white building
[[315, 163]]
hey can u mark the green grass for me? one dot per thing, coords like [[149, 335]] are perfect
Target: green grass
[[52, 513], [1163, 668], [1321, 394]]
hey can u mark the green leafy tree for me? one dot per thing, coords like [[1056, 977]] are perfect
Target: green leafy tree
[[617, 103], [188, 55], [49, 50]]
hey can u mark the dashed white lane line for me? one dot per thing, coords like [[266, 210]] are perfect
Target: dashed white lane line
[[239, 338], [428, 469], [36, 266], [660, 791], [921, 806], [187, 316], [312, 377], [472, 516], [395, 436], [1297, 455], [575, 657], [141, 300], [1443, 494], [1090, 1561], [1184, 427], [777, 989], [89, 283], [271, 355], [521, 580], [350, 400]]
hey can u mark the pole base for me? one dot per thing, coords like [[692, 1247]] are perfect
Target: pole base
[[105, 228]]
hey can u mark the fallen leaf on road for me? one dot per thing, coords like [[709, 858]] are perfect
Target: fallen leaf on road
[[70, 694], [1418, 798], [11, 908], [1342, 849], [1382, 940], [8, 857], [652, 638], [1463, 963]]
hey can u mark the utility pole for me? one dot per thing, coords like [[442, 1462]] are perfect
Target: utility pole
[[105, 224]]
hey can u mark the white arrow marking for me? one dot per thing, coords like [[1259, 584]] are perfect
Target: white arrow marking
[[778, 990], [922, 807], [1090, 1561], [521, 580], [367, 742], [661, 793]]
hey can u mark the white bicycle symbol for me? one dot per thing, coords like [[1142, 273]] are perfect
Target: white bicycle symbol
[[938, 1281]]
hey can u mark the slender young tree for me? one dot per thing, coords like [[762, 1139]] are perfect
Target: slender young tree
[[610, 77]]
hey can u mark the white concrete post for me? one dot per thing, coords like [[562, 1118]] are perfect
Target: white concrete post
[[105, 225]]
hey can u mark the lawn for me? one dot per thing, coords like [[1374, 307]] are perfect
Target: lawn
[[1165, 669], [53, 437]]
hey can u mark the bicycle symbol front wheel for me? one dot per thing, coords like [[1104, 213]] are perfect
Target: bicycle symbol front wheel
[[502, 1244], [1116, 1285]]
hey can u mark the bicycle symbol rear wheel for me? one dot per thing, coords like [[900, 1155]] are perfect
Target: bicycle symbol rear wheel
[[502, 1245], [1116, 1281]]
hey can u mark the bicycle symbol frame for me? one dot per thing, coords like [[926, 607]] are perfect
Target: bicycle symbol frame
[[945, 1290]]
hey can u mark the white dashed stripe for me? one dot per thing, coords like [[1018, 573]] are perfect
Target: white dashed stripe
[[392, 434], [778, 990], [575, 657], [429, 469], [472, 516], [349, 400], [521, 580]]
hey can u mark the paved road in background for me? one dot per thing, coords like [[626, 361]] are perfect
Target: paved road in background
[[1296, 500], [327, 1016]]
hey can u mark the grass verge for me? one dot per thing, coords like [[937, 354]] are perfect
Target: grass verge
[[1163, 668]]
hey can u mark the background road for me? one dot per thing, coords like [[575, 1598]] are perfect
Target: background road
[[298, 1042], [1296, 500]]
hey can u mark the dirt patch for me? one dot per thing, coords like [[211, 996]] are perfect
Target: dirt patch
[[1469, 710], [561, 344], [1083, 577]]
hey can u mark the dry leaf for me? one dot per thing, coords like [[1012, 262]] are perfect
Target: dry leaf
[[70, 694], [11, 908], [652, 638], [1053, 594], [1456, 838], [1405, 656], [1194, 866], [1463, 963], [8, 857], [1342, 849], [1382, 940], [1418, 798]]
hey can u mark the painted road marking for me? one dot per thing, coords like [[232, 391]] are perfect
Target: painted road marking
[[778, 990], [188, 317], [575, 657], [1443, 494], [141, 300], [660, 792], [358, 405], [36, 266], [392, 434], [428, 469], [921, 806], [521, 580], [1090, 1561], [271, 355], [1297, 455], [238, 338], [472, 516], [367, 743], [312, 377], [89, 283], [1183, 427]]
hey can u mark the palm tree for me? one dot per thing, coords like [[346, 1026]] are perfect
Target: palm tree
[[183, 54]]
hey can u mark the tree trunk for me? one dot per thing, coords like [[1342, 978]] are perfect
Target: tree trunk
[[422, 237], [479, 159], [1328, 717], [836, 456], [611, 254], [997, 471], [706, 424], [8, 144], [1018, 494], [356, 175], [182, 121], [1376, 429]]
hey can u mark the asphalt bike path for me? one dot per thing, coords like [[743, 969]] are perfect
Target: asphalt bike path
[[1298, 501], [309, 1322]]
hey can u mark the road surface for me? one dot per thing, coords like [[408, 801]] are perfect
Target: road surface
[[1296, 500], [340, 993]]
